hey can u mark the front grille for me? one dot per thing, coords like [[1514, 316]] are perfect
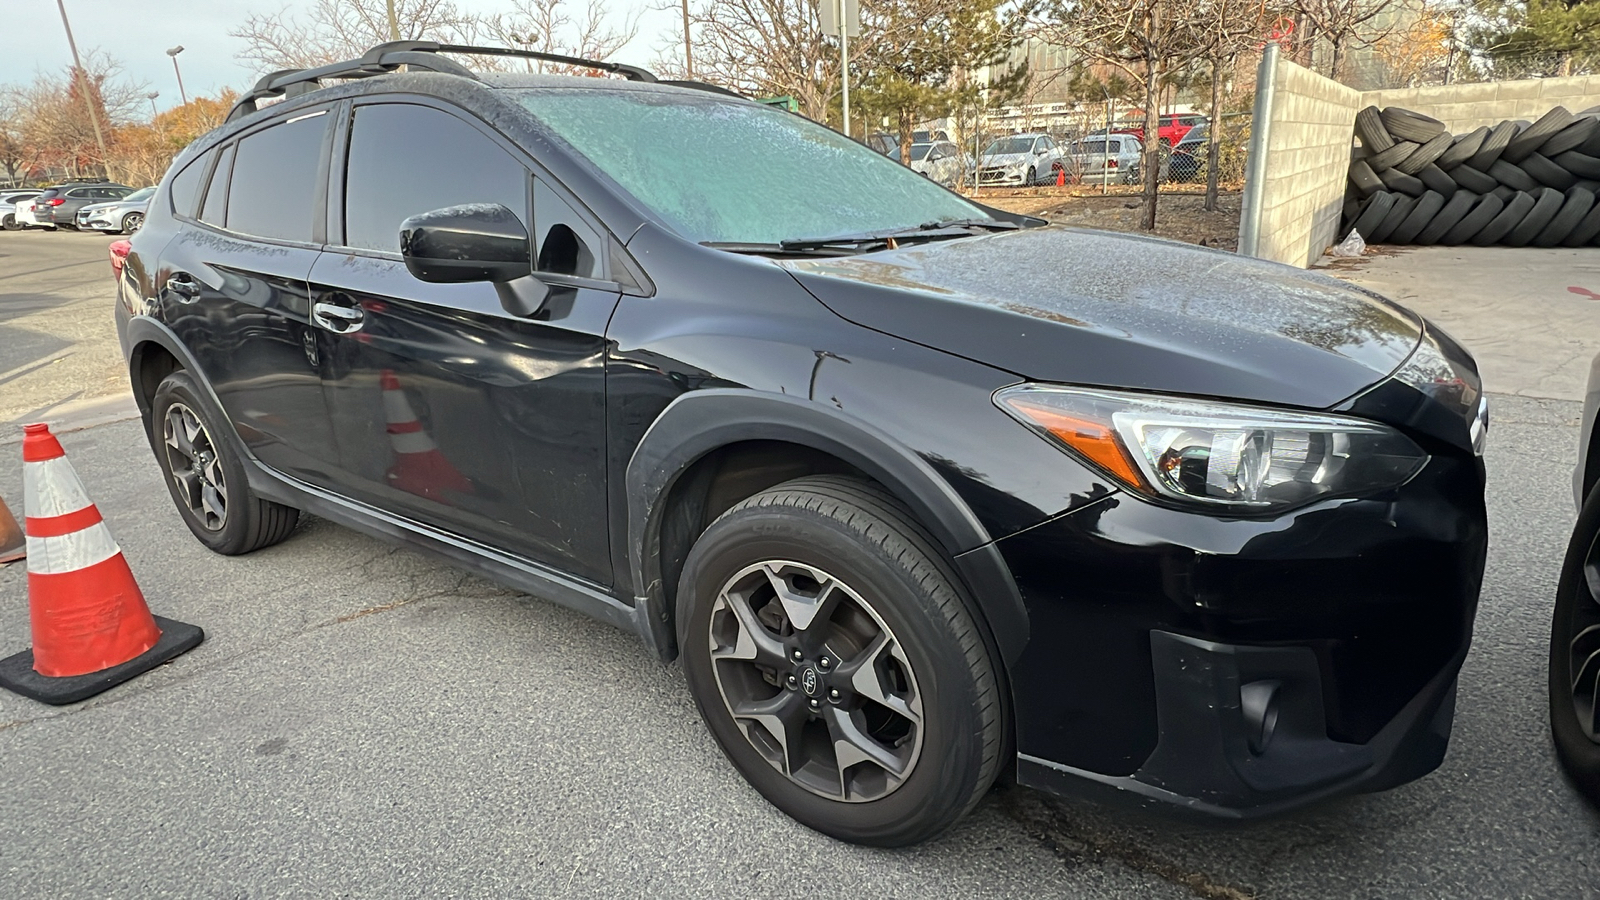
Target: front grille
[[992, 174]]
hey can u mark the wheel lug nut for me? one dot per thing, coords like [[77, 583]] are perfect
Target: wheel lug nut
[[824, 664], [792, 682], [815, 703], [833, 695], [797, 656]]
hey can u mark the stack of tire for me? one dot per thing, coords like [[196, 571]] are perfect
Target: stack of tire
[[1512, 184]]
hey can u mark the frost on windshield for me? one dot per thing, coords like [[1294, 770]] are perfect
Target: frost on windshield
[[721, 170]]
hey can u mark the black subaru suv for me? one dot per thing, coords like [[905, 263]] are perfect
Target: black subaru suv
[[920, 491]]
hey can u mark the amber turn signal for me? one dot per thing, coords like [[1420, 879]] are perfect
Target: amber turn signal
[[1096, 442]]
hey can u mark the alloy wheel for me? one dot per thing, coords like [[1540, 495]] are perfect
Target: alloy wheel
[[196, 469], [816, 681], [1583, 646], [132, 222]]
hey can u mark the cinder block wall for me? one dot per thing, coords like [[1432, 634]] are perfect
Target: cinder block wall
[[1464, 107], [1313, 125], [1312, 122]]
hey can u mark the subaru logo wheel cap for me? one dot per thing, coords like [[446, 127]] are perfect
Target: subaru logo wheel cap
[[809, 681]]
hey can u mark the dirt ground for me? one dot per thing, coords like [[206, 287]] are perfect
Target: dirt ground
[[1179, 214]]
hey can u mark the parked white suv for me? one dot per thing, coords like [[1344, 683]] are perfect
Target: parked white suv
[[1020, 159]]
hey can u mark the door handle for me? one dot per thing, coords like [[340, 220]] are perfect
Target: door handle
[[336, 318], [184, 285]]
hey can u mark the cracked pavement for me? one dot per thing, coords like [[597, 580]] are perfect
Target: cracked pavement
[[363, 720]]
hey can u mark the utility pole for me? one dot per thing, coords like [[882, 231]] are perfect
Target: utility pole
[[394, 23], [844, 68], [83, 87], [688, 52], [842, 17]]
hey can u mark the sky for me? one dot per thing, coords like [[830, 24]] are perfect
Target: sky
[[137, 33]]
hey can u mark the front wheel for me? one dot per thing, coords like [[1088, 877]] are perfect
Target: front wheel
[[204, 476], [831, 654], [1032, 176], [132, 222], [1575, 654]]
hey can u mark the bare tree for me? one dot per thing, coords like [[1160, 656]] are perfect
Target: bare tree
[[1229, 27], [549, 27], [50, 119], [768, 47], [333, 30], [1344, 25], [1147, 40]]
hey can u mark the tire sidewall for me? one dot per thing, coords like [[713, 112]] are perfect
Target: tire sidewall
[[179, 387], [1579, 755], [943, 775]]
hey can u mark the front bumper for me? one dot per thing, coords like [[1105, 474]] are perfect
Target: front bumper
[[1243, 667]]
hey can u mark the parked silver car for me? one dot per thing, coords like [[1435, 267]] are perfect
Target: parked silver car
[[9, 199], [116, 216], [1020, 159], [941, 161], [1109, 159]]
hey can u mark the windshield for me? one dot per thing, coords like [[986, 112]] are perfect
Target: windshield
[[1089, 147], [1010, 145], [718, 170], [140, 194], [918, 151]]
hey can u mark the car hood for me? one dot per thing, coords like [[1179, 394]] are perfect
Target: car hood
[[1096, 308], [103, 204]]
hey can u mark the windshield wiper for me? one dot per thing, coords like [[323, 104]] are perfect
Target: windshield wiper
[[927, 231]]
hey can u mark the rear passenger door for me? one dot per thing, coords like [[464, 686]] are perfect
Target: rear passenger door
[[235, 290], [447, 409]]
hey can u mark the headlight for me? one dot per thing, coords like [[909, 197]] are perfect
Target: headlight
[[1217, 455]]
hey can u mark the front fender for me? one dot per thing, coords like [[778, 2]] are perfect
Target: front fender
[[698, 422]]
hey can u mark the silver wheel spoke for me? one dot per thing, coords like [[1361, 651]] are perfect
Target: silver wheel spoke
[[783, 717], [211, 502], [754, 642], [189, 485], [867, 681], [802, 609], [852, 745]]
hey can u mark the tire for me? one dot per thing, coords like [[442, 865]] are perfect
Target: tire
[[1571, 634], [1591, 144], [1571, 137], [1388, 159], [1426, 208], [132, 222], [1369, 127], [1580, 164], [1405, 125], [1512, 176], [1462, 149], [1533, 137], [1365, 180], [1473, 179], [1579, 201], [1437, 180], [1546, 203], [1586, 231], [1033, 176], [1453, 212], [1504, 193], [898, 585], [10, 223], [1509, 218], [1372, 215], [247, 522], [1488, 207], [1493, 145], [1547, 173], [1426, 154], [1400, 182], [1402, 208]]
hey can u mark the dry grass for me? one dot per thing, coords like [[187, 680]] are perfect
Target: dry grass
[[1179, 214]]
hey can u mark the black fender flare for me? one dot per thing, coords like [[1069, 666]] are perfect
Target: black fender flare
[[699, 422]]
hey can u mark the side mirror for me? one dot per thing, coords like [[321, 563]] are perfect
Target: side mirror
[[473, 242]]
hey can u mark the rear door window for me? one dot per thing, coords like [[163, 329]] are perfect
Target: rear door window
[[272, 191], [406, 159], [215, 209]]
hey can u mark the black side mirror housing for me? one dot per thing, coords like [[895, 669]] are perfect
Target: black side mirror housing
[[472, 242]]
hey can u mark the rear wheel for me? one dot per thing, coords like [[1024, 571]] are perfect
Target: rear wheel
[[10, 223], [828, 647], [206, 480]]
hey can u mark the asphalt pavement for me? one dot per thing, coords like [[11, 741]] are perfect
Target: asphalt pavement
[[365, 721]]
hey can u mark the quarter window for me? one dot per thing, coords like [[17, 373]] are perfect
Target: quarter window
[[406, 159], [273, 187], [184, 188]]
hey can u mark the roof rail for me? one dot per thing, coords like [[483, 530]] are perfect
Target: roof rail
[[388, 57]]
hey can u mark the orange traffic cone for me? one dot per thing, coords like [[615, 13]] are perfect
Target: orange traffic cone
[[12, 547], [419, 468], [1061, 177], [91, 628]]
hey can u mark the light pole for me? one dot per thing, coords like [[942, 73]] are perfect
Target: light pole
[[152, 98], [688, 53], [174, 54], [83, 85]]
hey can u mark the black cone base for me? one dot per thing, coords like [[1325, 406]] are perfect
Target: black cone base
[[17, 674]]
